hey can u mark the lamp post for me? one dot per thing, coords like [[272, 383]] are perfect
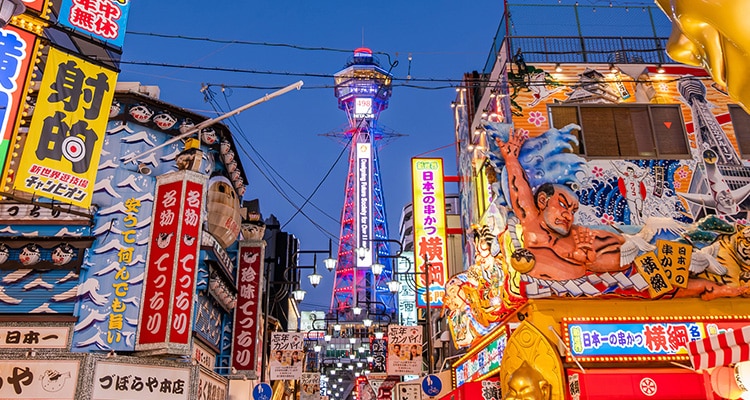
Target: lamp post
[[290, 278]]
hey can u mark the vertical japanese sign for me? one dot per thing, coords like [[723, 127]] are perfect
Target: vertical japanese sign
[[102, 19], [18, 49], [310, 385], [63, 146], [166, 312], [428, 197], [363, 206], [39, 379], [404, 350], [121, 286], [245, 342], [675, 259], [407, 296], [649, 266], [378, 349], [287, 355]]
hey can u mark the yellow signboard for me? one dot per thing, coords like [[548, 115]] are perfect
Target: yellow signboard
[[61, 152], [430, 256], [658, 281], [675, 260]]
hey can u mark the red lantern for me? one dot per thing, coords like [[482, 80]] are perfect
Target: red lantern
[[724, 384]]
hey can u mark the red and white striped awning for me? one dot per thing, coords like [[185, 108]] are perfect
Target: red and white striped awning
[[723, 349]]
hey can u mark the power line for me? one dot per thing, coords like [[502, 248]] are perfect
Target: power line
[[270, 176]]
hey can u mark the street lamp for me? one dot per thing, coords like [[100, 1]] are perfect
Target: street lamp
[[290, 283]]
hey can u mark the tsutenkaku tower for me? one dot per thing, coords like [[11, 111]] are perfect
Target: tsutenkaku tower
[[363, 89]]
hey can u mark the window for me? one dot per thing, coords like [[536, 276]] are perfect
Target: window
[[741, 124], [625, 130]]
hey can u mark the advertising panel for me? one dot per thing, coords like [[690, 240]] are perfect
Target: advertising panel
[[169, 284], [484, 362], [102, 19], [18, 52], [404, 350], [287, 355], [363, 206], [246, 340], [624, 339], [428, 196], [39, 379], [120, 381], [63, 146], [310, 385]]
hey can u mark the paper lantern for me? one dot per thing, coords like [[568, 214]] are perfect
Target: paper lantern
[[724, 383], [223, 211]]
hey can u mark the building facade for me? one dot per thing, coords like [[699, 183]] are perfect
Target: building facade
[[605, 189]]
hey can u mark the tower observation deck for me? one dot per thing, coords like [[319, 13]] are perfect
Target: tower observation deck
[[363, 89]]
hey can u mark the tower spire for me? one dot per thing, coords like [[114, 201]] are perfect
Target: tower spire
[[363, 90]]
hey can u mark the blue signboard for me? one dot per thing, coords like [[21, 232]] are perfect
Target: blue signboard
[[633, 339], [262, 391], [102, 19], [431, 385]]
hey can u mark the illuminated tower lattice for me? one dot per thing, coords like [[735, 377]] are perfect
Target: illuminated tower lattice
[[363, 89]]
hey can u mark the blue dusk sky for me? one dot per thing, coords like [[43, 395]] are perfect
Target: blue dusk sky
[[285, 156]]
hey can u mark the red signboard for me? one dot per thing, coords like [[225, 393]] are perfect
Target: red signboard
[[246, 322], [169, 282], [633, 384], [187, 261]]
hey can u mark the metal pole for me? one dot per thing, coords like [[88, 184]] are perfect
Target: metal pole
[[431, 356], [266, 305], [212, 121]]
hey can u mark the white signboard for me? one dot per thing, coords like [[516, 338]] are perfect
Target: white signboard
[[287, 355], [408, 391], [38, 379], [404, 350], [210, 388], [37, 337], [363, 204], [121, 381], [363, 108], [407, 294]]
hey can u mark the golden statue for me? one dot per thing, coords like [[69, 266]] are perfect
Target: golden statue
[[715, 35], [526, 383]]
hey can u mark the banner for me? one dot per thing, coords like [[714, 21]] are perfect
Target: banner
[[61, 152], [404, 350], [363, 204], [430, 256], [102, 19], [287, 355], [166, 313], [245, 342], [310, 386]]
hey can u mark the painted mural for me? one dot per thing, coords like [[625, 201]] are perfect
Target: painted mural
[[560, 225]]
